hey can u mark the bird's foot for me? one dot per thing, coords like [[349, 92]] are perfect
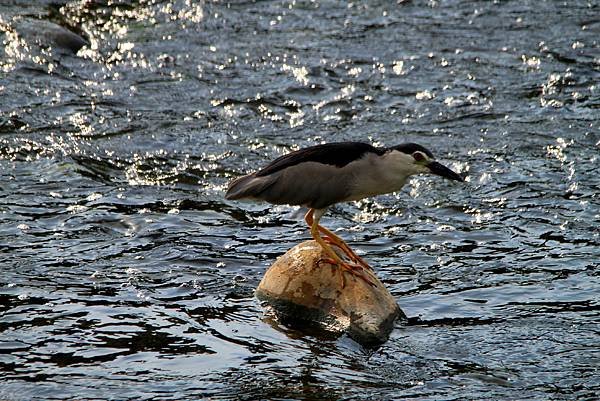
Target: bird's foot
[[348, 252], [355, 270]]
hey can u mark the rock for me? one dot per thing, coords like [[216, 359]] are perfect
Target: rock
[[305, 291], [48, 34]]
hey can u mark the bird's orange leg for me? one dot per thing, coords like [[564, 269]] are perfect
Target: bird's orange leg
[[355, 270], [337, 241]]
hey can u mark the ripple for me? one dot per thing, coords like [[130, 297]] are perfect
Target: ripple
[[126, 272]]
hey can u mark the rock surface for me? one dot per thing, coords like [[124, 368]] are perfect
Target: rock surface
[[302, 288], [48, 34]]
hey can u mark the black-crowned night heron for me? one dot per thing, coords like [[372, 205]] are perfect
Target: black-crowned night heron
[[320, 176]]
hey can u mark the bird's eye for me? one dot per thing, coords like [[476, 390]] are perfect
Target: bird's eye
[[418, 156]]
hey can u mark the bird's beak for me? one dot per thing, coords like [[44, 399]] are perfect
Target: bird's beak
[[441, 170]]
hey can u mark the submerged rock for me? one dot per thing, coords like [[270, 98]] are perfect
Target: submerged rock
[[303, 289]]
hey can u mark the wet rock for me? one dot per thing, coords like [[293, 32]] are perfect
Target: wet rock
[[304, 290], [48, 34]]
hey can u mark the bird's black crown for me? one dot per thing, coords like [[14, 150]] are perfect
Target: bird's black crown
[[410, 148]]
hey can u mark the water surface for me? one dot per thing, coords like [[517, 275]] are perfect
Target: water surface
[[126, 275]]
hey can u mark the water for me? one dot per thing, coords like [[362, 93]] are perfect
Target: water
[[126, 275]]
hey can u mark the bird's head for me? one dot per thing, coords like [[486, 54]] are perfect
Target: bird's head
[[412, 159]]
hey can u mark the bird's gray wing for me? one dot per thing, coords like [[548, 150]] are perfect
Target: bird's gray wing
[[335, 154], [249, 186]]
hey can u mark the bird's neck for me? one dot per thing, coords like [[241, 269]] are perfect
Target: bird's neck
[[382, 174]]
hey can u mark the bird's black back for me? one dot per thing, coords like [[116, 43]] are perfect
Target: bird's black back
[[336, 154]]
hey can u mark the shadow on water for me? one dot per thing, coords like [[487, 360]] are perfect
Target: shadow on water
[[125, 274]]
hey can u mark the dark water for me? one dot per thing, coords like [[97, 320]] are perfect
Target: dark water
[[126, 275]]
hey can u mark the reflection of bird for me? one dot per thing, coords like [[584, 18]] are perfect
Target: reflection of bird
[[322, 175]]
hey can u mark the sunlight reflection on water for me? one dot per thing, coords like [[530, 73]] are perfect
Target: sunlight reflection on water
[[125, 273]]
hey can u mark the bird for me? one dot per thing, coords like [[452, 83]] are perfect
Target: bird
[[323, 175]]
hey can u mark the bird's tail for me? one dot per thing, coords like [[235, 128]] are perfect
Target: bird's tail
[[247, 187]]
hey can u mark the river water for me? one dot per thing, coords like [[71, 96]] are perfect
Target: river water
[[125, 275]]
